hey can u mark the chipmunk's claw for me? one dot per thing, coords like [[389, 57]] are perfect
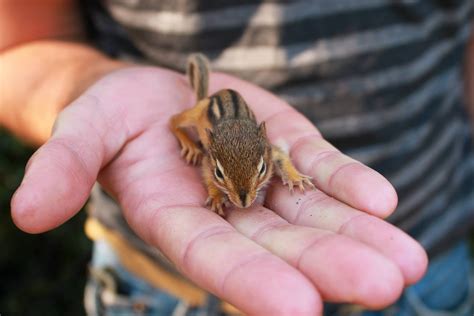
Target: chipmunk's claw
[[307, 181], [191, 153], [290, 185], [216, 205], [299, 180]]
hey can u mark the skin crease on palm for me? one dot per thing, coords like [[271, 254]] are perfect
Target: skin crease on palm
[[285, 258]]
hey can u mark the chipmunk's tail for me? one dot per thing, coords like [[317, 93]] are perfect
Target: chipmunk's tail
[[198, 74]]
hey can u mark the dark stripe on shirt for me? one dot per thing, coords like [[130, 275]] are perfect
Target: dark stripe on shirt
[[461, 193], [416, 139], [365, 63], [457, 187], [322, 71], [439, 122], [445, 160], [342, 24], [382, 99], [188, 6]]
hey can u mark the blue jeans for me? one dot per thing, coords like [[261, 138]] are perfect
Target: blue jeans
[[113, 291], [446, 289]]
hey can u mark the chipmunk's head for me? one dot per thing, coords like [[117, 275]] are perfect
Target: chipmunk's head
[[240, 159]]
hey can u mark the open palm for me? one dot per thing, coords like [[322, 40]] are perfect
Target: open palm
[[329, 244]]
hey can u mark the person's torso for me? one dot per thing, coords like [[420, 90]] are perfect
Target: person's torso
[[381, 79]]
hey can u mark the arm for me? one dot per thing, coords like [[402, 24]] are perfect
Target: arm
[[44, 66]]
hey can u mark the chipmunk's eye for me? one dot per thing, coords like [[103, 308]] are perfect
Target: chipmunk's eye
[[219, 171], [262, 168], [219, 174]]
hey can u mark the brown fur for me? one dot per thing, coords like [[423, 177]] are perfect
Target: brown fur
[[235, 146], [239, 145]]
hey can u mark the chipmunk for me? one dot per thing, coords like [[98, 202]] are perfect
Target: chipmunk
[[237, 158]]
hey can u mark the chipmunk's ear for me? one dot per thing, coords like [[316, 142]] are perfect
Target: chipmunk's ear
[[262, 129]]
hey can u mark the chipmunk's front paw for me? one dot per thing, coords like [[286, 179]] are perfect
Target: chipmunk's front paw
[[191, 152], [298, 180], [216, 204]]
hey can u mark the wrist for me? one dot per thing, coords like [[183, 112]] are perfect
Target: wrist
[[35, 90]]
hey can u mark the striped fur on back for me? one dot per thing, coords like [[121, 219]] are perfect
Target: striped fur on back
[[228, 104]]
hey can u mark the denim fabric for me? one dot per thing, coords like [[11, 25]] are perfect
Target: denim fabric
[[446, 290], [129, 295]]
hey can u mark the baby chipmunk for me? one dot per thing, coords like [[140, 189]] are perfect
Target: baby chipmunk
[[237, 158]]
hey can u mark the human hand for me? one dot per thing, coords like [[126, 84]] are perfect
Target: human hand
[[329, 244]]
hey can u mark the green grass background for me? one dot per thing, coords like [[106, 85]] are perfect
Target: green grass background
[[39, 274]]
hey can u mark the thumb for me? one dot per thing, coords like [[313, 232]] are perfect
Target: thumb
[[87, 135], [60, 175]]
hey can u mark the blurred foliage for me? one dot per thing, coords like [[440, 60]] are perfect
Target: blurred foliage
[[40, 274]]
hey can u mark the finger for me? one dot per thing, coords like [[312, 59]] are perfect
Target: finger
[[88, 134], [316, 209], [160, 196], [333, 172], [212, 254], [60, 175], [342, 269]]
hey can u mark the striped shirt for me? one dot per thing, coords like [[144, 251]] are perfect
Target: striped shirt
[[381, 79]]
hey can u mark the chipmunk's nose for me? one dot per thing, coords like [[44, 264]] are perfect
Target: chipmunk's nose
[[243, 198]]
